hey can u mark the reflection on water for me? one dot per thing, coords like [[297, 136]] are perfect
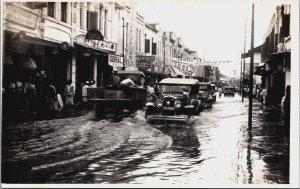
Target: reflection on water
[[217, 149]]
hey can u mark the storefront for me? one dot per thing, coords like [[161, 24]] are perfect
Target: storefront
[[92, 61]]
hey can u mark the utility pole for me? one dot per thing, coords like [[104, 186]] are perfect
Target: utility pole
[[123, 26], [251, 72], [244, 62], [241, 72]]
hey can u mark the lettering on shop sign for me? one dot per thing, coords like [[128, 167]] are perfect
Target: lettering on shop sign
[[210, 62], [185, 69], [20, 16], [115, 61], [144, 61], [96, 44]]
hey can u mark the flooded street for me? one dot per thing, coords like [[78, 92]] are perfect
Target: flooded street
[[217, 148]]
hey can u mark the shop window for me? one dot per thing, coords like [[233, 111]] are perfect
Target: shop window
[[50, 9], [64, 12], [92, 20]]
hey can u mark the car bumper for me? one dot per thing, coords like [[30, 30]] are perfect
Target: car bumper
[[177, 118]]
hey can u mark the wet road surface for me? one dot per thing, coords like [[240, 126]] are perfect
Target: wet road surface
[[216, 148]]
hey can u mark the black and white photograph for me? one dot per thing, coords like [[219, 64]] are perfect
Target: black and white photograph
[[150, 93]]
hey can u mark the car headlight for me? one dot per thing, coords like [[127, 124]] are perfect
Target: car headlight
[[159, 103], [177, 103]]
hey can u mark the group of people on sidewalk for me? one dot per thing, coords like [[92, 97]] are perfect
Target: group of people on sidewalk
[[34, 96]]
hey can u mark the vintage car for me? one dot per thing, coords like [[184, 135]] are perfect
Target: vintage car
[[205, 94], [229, 91], [179, 103], [118, 102]]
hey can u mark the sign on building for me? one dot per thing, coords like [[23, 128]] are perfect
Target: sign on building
[[144, 62], [96, 44], [115, 61], [17, 15]]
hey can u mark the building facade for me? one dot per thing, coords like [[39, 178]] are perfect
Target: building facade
[[58, 38], [276, 54]]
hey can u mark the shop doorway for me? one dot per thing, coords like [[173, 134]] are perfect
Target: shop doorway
[[84, 72]]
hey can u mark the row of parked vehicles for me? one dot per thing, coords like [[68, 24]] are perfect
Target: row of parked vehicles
[[179, 99]]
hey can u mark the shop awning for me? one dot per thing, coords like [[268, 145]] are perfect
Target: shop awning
[[22, 37]]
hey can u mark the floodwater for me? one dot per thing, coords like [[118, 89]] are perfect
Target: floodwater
[[217, 148]]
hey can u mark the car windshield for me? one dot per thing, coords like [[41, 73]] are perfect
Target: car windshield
[[175, 88], [203, 87]]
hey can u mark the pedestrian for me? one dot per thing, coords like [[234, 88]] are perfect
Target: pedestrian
[[113, 81], [92, 84], [142, 81], [151, 89], [41, 88], [53, 100], [264, 94], [69, 93], [84, 99], [19, 94], [220, 91], [30, 96]]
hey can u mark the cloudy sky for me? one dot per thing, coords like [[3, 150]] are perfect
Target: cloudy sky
[[214, 28]]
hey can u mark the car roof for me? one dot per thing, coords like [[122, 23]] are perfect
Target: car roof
[[229, 86], [179, 81], [123, 72]]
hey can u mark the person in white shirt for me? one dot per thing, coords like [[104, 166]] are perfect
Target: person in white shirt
[[128, 82], [84, 91]]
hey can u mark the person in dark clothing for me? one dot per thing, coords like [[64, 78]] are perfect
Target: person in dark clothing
[[113, 81], [41, 88], [53, 101], [30, 96]]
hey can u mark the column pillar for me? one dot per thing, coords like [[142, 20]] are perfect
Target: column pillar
[[95, 71]]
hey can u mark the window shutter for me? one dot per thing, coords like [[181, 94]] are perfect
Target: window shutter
[[154, 48], [92, 20], [147, 45]]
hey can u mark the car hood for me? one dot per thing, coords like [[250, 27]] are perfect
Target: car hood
[[174, 95]]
